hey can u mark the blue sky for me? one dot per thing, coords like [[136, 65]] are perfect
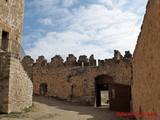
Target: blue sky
[[62, 27]]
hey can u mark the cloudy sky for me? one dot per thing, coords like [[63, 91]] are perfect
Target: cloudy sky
[[81, 27]]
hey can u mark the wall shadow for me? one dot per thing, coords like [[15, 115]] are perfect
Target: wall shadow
[[100, 113]]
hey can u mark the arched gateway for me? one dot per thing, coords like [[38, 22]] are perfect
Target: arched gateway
[[117, 96]]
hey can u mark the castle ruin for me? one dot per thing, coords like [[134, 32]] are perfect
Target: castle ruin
[[82, 80]]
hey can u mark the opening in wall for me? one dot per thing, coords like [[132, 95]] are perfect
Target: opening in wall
[[43, 89], [4, 42]]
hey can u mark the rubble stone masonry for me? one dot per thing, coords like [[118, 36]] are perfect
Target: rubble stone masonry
[[15, 86], [11, 21], [73, 79]]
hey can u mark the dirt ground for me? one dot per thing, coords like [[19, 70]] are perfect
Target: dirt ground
[[52, 109]]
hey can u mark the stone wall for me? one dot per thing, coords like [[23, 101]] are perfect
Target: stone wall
[[146, 64], [73, 79], [16, 87], [4, 81], [11, 20]]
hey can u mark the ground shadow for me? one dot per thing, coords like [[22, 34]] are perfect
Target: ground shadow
[[102, 113]]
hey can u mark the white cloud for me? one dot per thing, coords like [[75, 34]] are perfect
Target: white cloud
[[46, 21], [113, 3], [67, 3], [93, 29]]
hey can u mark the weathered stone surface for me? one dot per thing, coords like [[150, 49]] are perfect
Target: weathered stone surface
[[92, 61], [57, 61], [11, 20], [146, 64], [71, 60], [41, 61], [15, 86], [77, 83], [20, 87], [83, 60], [127, 54], [117, 55]]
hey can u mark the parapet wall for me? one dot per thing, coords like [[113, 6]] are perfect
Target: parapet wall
[[73, 79]]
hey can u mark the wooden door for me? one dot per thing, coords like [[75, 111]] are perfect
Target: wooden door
[[119, 96]]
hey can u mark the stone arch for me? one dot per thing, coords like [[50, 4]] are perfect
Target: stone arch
[[43, 89]]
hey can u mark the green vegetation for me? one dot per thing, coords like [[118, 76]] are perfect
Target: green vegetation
[[18, 114], [12, 115], [30, 109]]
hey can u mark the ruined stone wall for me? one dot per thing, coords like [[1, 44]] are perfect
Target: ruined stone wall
[[74, 80], [15, 86], [146, 64], [11, 20]]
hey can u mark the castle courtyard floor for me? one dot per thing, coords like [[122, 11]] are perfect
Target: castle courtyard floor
[[52, 109]]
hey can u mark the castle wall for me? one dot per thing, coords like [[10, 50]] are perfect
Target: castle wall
[[4, 82], [20, 87], [11, 20], [146, 64], [75, 80], [15, 85]]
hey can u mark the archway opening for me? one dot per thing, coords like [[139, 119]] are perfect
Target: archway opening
[[43, 89]]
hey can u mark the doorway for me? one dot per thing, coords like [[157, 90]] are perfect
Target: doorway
[[4, 42], [112, 95], [102, 90], [105, 97]]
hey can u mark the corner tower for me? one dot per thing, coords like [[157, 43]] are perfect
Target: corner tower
[[11, 22], [15, 86]]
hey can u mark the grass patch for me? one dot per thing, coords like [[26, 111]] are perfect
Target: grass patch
[[18, 114], [29, 109], [12, 115]]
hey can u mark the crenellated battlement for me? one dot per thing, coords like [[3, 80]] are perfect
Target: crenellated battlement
[[73, 79], [71, 60]]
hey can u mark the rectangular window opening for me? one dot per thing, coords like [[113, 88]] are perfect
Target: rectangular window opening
[[4, 42]]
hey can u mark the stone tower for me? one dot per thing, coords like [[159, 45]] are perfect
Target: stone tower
[[146, 65], [15, 86], [11, 21]]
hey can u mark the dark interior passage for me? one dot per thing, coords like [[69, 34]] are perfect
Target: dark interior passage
[[4, 42]]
